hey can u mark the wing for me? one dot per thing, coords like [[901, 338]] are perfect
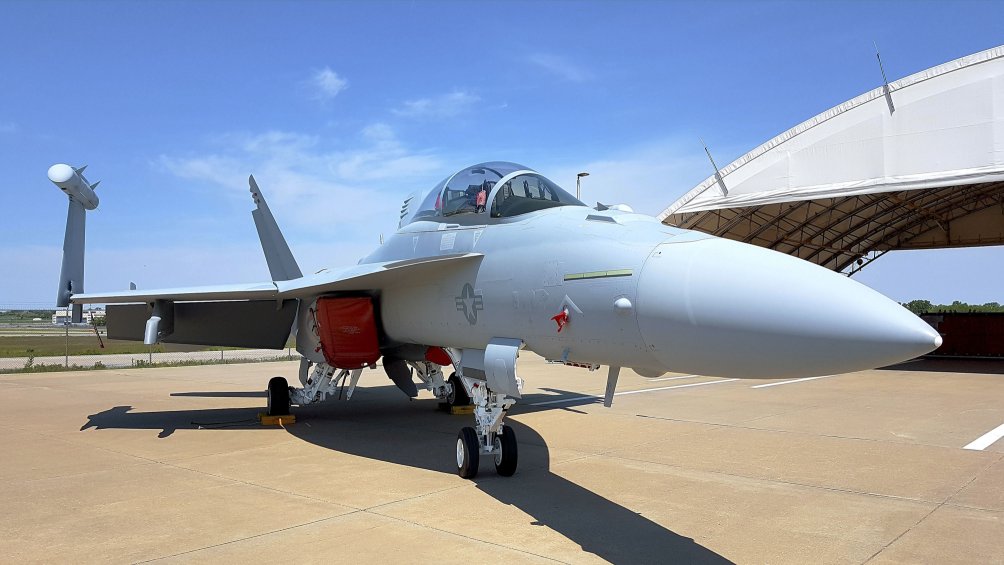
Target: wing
[[250, 291], [366, 277], [370, 276]]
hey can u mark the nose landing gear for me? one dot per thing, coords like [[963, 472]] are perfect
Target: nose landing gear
[[489, 437], [506, 454]]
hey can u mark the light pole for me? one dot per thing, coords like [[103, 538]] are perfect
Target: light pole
[[578, 185]]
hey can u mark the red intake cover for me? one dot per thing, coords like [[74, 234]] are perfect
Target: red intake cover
[[347, 327]]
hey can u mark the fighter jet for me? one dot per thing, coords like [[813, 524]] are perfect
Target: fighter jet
[[497, 259]]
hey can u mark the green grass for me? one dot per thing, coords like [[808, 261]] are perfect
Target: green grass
[[46, 345], [99, 366], [42, 345]]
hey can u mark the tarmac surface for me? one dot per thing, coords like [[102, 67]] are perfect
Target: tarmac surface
[[164, 464]]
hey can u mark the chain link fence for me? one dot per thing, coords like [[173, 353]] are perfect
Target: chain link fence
[[33, 338]]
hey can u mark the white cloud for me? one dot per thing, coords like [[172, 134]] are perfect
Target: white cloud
[[317, 192], [446, 106], [327, 84], [379, 132], [560, 67]]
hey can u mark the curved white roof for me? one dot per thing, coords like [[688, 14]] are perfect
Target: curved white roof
[[931, 144]]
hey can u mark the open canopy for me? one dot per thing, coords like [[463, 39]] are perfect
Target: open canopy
[[915, 164]]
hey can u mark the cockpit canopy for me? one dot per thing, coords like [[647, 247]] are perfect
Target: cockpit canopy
[[497, 188]]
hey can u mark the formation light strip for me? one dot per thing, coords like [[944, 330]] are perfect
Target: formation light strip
[[599, 275]]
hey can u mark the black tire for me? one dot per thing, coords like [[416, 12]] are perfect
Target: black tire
[[468, 453], [507, 456], [278, 397], [459, 395]]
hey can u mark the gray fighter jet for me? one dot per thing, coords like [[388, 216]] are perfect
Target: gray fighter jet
[[495, 259]]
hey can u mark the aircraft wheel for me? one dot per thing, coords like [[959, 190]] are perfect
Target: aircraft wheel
[[458, 397], [506, 454], [278, 397], [468, 453]]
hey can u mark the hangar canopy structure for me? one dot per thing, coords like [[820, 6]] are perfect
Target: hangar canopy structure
[[914, 164]]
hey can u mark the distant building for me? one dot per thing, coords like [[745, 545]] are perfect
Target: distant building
[[60, 317]]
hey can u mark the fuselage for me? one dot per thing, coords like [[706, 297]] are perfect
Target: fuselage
[[640, 294]]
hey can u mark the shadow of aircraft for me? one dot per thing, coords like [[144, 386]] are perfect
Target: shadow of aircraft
[[379, 425], [122, 417]]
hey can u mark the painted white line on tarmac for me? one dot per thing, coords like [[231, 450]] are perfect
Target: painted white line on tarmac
[[792, 381], [675, 386], [578, 398], [987, 439]]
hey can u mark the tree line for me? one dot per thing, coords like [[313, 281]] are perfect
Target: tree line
[[925, 307]]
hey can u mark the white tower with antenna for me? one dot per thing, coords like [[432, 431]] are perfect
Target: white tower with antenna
[[82, 198]]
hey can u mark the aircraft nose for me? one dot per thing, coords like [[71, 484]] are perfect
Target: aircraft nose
[[723, 308]]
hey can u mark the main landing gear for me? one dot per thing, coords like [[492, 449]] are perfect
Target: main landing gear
[[458, 394], [278, 397]]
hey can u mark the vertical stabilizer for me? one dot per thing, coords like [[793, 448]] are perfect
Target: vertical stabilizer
[[281, 264]]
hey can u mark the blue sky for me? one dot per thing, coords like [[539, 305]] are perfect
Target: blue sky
[[341, 109]]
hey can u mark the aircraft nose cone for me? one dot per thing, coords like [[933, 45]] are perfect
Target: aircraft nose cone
[[723, 308]]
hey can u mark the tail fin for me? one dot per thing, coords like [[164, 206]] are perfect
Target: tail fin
[[281, 264]]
